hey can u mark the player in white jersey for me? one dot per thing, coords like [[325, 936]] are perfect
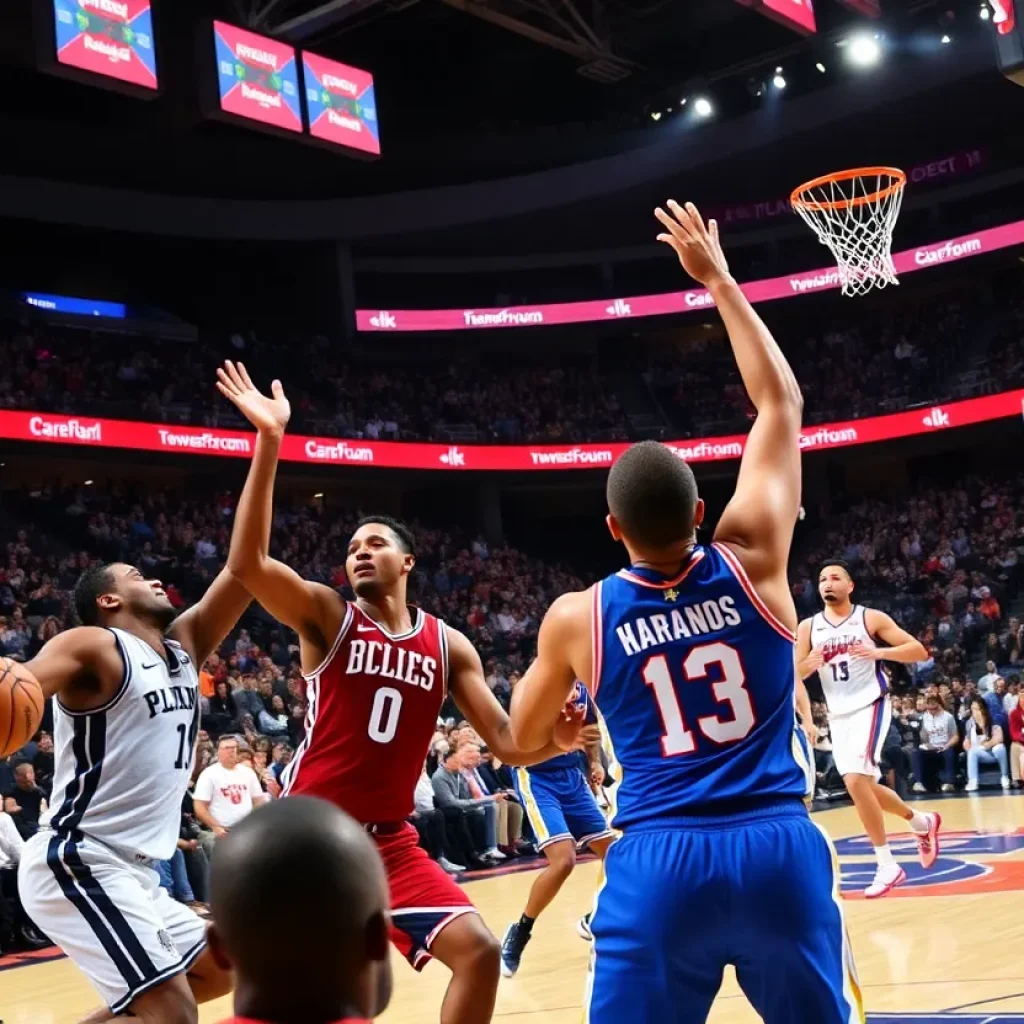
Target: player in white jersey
[[126, 715], [840, 643]]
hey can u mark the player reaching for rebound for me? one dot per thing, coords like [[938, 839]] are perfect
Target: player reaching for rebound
[[565, 818], [839, 643], [126, 716], [689, 654], [377, 671]]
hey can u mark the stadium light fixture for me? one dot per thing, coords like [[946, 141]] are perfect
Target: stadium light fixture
[[779, 81], [984, 13], [703, 107], [945, 39], [864, 51], [820, 67], [655, 115]]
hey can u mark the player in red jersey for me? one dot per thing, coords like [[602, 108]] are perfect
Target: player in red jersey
[[329, 889], [377, 672]]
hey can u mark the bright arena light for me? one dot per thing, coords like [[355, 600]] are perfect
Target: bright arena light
[[946, 39], [864, 51], [984, 13], [779, 82], [703, 107]]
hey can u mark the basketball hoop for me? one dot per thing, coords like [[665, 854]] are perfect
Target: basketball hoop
[[854, 213]]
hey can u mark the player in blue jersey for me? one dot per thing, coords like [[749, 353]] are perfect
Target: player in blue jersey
[[689, 654], [565, 818]]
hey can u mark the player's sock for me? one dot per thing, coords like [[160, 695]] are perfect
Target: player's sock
[[883, 854], [526, 924], [920, 822]]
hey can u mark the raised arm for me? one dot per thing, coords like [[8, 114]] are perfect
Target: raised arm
[[901, 647], [758, 523], [201, 628], [472, 694], [314, 611], [563, 656]]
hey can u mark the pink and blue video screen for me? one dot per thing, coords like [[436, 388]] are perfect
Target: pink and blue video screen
[[257, 78], [341, 103], [112, 38]]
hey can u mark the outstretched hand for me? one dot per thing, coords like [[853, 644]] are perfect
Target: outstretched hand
[[568, 728], [698, 247], [267, 415]]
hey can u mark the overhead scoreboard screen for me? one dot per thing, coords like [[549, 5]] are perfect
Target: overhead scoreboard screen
[[257, 78], [341, 104], [795, 14], [112, 38]]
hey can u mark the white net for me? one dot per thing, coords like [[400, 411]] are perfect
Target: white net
[[854, 214]]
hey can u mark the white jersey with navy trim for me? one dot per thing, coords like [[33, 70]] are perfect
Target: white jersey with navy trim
[[849, 684], [121, 770]]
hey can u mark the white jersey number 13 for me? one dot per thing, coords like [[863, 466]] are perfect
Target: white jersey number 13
[[731, 690]]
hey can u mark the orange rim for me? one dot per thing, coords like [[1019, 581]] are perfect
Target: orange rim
[[898, 176]]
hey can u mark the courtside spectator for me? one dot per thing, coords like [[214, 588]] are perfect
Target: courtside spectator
[[937, 749], [984, 744], [26, 801], [225, 793]]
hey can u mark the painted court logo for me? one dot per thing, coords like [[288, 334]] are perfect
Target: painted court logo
[[969, 862]]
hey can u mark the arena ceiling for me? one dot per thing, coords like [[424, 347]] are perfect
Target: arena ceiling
[[467, 89]]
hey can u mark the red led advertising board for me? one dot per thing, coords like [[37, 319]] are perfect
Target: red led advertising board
[[110, 38], [257, 78], [341, 103], [795, 14], [91, 432]]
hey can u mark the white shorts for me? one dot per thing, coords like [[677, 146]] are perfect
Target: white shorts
[[858, 737], [110, 916]]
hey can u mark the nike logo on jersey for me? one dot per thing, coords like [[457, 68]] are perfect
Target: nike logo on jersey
[[366, 629], [146, 667]]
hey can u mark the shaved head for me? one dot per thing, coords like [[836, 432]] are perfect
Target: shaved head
[[652, 496], [319, 873]]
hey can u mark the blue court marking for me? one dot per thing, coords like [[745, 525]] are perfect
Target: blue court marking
[[858, 874], [952, 842]]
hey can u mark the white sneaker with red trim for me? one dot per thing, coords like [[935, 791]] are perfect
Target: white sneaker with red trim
[[928, 842], [887, 877]]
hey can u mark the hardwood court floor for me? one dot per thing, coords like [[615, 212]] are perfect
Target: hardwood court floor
[[955, 943]]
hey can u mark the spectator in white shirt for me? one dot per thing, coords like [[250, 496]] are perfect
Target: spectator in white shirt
[[984, 744], [939, 740], [988, 680], [225, 793]]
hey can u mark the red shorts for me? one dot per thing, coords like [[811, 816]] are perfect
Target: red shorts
[[423, 898]]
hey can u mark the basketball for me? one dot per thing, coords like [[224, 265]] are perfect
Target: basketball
[[21, 706]]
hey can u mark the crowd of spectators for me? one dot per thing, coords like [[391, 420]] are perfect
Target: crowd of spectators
[[883, 360], [333, 392]]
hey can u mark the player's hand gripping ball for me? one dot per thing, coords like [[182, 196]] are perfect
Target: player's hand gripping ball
[[21, 706]]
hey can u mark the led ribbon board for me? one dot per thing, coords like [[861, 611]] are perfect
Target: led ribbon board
[[112, 38], [257, 78], [795, 14], [341, 104]]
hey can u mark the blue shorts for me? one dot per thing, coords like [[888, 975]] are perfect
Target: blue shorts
[[680, 901], [559, 805]]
